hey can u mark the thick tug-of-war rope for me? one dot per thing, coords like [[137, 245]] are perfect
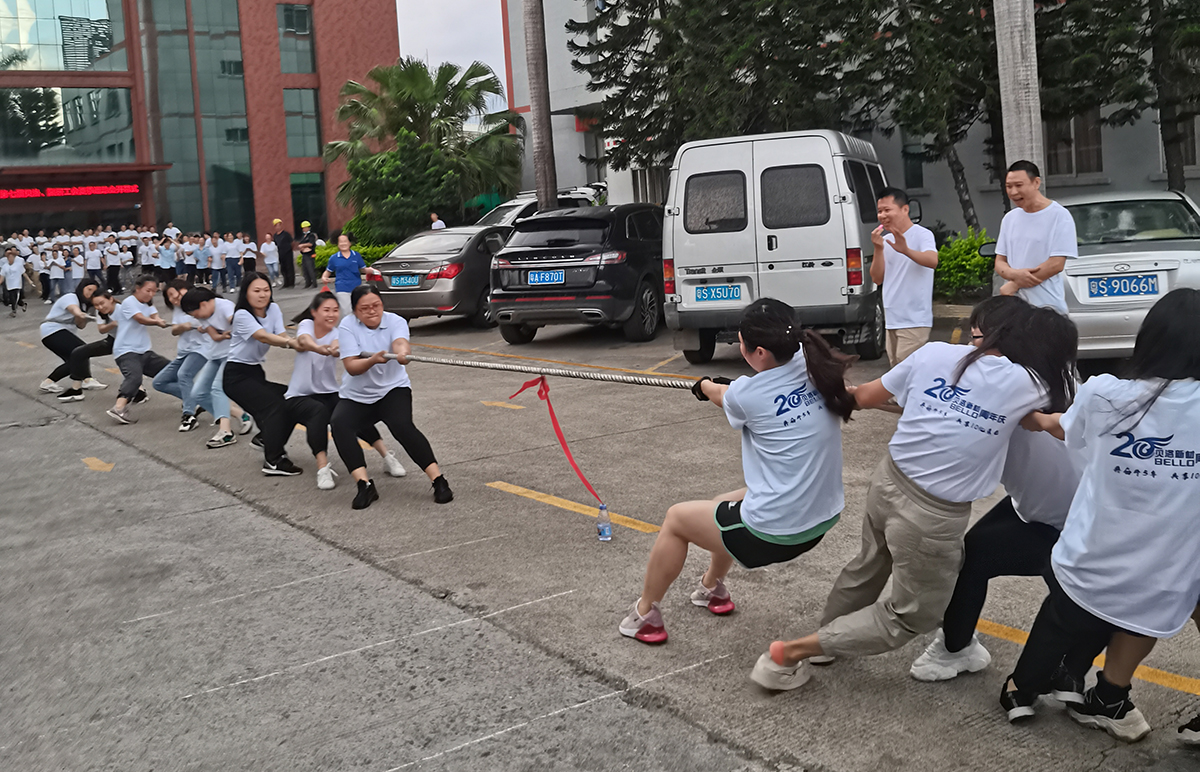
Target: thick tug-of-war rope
[[587, 375]]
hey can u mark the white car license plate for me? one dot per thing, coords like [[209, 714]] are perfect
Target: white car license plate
[[1122, 286], [712, 292], [547, 277]]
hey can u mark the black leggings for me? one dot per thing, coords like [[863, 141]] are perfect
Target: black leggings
[[15, 298], [114, 278], [1000, 544], [45, 277], [314, 412], [81, 357], [248, 386], [395, 410], [62, 343]]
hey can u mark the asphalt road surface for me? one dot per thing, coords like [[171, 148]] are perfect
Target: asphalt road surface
[[166, 607]]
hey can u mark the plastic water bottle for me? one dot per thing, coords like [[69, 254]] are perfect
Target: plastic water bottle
[[604, 525]]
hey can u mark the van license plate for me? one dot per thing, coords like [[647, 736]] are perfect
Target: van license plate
[[718, 292], [405, 280], [1122, 286], [547, 277]]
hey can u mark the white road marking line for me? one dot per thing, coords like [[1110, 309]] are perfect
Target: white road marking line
[[302, 581], [375, 645], [560, 711]]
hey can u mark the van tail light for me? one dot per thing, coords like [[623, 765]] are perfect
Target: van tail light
[[669, 276], [448, 271], [854, 272]]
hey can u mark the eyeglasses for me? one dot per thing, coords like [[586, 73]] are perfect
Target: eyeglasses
[[976, 337]]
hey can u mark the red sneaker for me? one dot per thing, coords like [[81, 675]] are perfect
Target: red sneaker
[[647, 629], [716, 600]]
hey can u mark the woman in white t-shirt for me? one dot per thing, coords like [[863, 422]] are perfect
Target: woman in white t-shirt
[[215, 317], [376, 389], [67, 314], [270, 256], [789, 414], [178, 377], [1128, 560], [961, 405], [12, 274], [258, 325], [312, 393]]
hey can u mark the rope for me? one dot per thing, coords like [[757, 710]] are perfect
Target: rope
[[587, 375]]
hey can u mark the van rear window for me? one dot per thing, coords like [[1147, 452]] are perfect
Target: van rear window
[[715, 203], [864, 195], [794, 196]]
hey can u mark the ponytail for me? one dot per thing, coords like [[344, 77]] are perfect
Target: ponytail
[[827, 371]]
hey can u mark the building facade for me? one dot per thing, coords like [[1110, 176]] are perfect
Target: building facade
[[210, 114]]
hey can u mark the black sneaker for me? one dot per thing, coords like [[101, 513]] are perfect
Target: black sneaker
[[366, 494], [1065, 687], [1119, 718], [188, 422], [1017, 704], [256, 441], [141, 396], [1190, 732], [281, 468], [441, 490], [71, 395]]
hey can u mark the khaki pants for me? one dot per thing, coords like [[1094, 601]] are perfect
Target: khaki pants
[[901, 343], [915, 538]]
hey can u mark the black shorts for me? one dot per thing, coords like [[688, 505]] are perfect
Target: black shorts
[[749, 550]]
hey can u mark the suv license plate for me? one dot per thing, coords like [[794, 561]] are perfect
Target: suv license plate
[[718, 292], [1123, 286], [406, 280], [547, 277]]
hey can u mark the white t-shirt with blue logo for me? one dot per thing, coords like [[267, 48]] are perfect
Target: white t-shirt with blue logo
[[791, 450], [1130, 550], [953, 437]]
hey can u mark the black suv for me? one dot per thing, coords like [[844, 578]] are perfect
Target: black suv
[[593, 265]]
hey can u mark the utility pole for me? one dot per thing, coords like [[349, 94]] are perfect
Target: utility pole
[[539, 104], [1020, 95]]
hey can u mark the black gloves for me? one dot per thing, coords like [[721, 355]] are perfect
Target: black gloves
[[699, 393]]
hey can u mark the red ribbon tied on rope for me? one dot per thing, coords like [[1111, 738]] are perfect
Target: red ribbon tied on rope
[[543, 393]]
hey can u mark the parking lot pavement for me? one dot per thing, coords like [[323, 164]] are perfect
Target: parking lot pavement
[[485, 628]]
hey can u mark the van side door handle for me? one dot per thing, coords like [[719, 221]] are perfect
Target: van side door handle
[[772, 242]]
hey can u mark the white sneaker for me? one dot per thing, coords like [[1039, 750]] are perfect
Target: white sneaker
[[821, 660], [325, 477], [246, 425], [938, 664], [392, 465], [91, 384], [47, 302], [779, 678], [50, 387]]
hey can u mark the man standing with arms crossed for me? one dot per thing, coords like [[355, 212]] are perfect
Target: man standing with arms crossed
[[287, 260], [308, 250], [1036, 239], [905, 257]]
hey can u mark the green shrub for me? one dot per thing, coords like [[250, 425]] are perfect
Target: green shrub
[[370, 253], [961, 269]]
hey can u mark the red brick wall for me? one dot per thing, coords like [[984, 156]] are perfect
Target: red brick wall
[[350, 37]]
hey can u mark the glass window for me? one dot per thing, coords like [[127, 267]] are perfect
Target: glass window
[[295, 38], [432, 244], [643, 226], [308, 202], [59, 35], [715, 203], [1189, 142], [1074, 145], [860, 186], [877, 183], [52, 126], [1117, 221], [303, 127], [559, 233], [794, 197]]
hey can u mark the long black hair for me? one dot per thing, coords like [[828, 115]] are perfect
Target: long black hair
[[244, 288], [1042, 341], [772, 325], [87, 281], [179, 284], [1167, 349], [190, 303]]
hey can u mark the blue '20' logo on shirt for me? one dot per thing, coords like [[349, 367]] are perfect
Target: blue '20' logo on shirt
[[945, 392], [1143, 448]]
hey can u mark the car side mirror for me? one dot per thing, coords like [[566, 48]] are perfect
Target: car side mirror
[[914, 210], [494, 242], [988, 249]]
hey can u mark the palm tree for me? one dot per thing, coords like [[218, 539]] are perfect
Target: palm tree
[[539, 104], [446, 107], [1020, 95]]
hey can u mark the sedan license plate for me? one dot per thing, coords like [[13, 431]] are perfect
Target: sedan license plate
[[707, 293], [405, 280], [547, 277], [1122, 286]]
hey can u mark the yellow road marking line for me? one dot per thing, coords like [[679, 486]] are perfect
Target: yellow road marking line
[[553, 361], [96, 465], [666, 361], [956, 336], [112, 370], [26, 345], [571, 506], [508, 405], [1152, 675]]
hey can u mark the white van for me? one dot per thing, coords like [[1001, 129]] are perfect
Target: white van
[[787, 216]]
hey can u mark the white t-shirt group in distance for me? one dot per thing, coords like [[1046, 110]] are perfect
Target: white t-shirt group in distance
[[244, 349], [791, 450], [356, 338], [1127, 553], [1028, 240], [907, 286], [131, 337], [951, 438], [313, 373]]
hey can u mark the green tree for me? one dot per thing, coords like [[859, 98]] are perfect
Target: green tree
[[439, 107]]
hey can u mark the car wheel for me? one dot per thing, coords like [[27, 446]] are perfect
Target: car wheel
[[642, 324], [517, 334], [708, 347], [875, 346], [482, 318]]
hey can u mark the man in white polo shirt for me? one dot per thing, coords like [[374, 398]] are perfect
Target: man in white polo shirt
[[905, 258], [1036, 239]]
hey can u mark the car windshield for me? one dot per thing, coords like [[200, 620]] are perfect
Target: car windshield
[[1147, 220], [557, 233], [434, 244], [497, 215]]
